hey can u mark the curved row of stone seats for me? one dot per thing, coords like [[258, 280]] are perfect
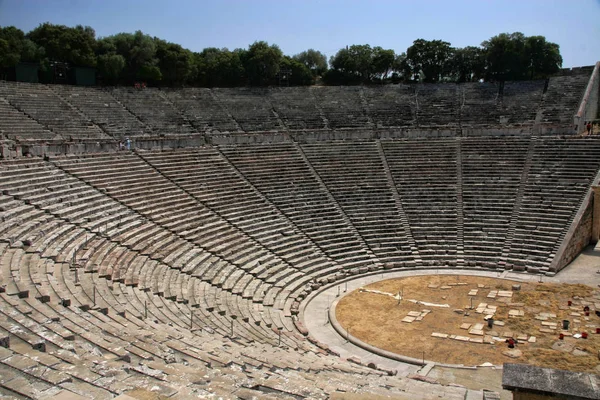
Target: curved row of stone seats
[[208, 176], [63, 324], [479, 104], [201, 107], [425, 174], [148, 363], [391, 105], [78, 112], [559, 177], [492, 170], [108, 264], [42, 104], [250, 107], [342, 106], [151, 365], [101, 108], [282, 175], [153, 109], [355, 175], [562, 97], [437, 104], [166, 290], [297, 108], [130, 180], [521, 102], [15, 124], [202, 264]]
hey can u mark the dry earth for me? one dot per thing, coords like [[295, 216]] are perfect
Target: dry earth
[[377, 319]]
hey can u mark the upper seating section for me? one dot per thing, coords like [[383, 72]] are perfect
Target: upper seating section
[[562, 98], [521, 101], [41, 103], [342, 106], [250, 107], [297, 108], [103, 110], [391, 105], [153, 109], [437, 104], [64, 112], [15, 124], [479, 104], [201, 107]]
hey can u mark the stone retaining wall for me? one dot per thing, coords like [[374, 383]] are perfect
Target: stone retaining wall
[[578, 237]]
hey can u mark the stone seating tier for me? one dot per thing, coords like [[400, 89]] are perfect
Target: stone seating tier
[[69, 112], [136, 269]]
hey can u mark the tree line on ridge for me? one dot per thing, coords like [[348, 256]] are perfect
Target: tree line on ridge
[[126, 58]]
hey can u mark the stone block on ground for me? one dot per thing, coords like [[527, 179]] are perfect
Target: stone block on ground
[[513, 353]]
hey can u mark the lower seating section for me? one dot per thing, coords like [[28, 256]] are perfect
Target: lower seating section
[[103, 110], [492, 169], [355, 175], [342, 106], [560, 175], [214, 182], [250, 107], [42, 104], [181, 271], [425, 174], [153, 109], [280, 173]]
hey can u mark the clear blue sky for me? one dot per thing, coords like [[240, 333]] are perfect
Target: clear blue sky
[[325, 25]]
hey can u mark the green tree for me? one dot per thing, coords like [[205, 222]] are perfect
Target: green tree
[[543, 58], [429, 60], [61, 43], [261, 63], [218, 67], [110, 67], [139, 52], [300, 75], [314, 60], [11, 46], [360, 63], [468, 64], [505, 57], [382, 63], [175, 62]]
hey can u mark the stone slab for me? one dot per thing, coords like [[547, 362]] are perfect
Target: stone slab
[[477, 332], [559, 383]]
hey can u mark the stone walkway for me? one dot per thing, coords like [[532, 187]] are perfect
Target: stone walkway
[[584, 269]]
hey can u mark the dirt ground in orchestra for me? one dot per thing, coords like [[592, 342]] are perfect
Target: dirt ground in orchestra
[[377, 319]]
